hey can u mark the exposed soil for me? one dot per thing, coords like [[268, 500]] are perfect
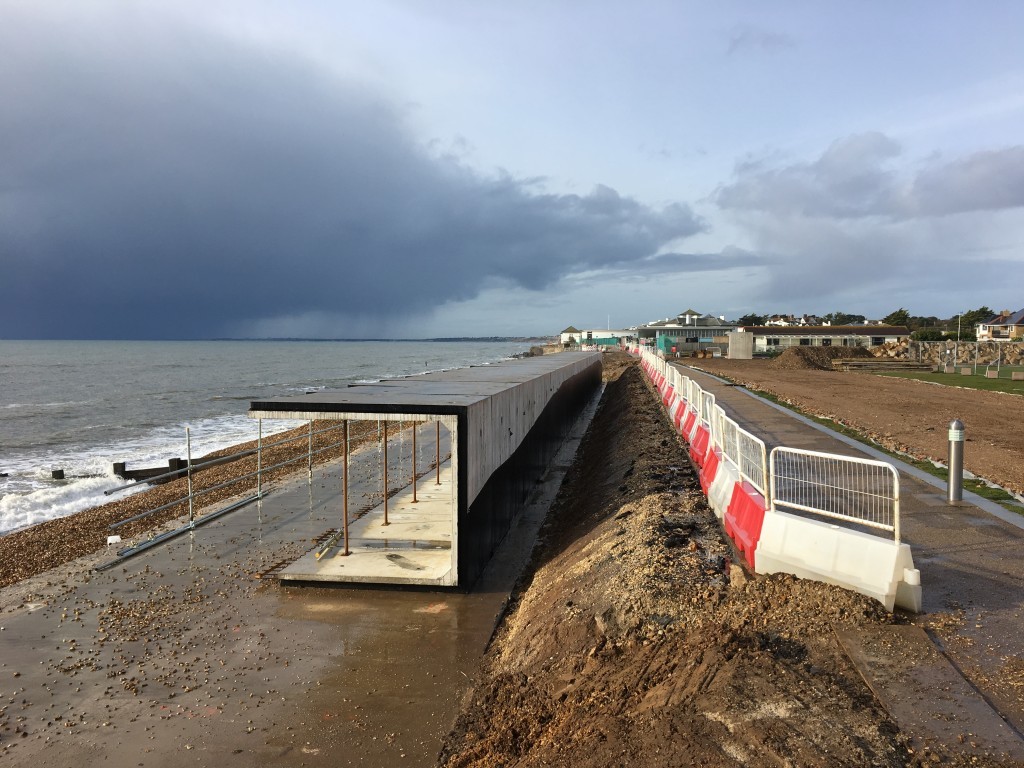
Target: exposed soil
[[634, 640], [816, 358], [900, 414]]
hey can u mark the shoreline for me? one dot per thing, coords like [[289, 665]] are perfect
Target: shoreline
[[32, 550]]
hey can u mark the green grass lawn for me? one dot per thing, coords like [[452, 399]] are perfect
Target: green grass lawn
[[974, 381]]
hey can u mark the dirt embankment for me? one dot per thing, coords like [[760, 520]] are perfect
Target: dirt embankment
[[635, 641], [899, 414], [816, 358]]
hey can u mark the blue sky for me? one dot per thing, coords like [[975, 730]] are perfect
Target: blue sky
[[345, 169]]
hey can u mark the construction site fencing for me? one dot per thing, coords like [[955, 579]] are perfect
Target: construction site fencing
[[707, 408], [862, 491], [745, 451]]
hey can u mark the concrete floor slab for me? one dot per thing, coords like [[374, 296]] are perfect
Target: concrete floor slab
[[415, 547]]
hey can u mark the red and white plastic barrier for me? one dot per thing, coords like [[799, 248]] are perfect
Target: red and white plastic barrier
[[733, 471], [744, 519]]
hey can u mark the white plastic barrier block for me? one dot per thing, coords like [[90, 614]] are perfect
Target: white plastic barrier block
[[812, 549], [720, 490]]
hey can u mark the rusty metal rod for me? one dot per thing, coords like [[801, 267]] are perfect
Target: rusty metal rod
[[386, 474], [345, 480], [414, 500]]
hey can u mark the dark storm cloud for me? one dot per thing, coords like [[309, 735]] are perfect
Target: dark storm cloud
[[854, 179], [160, 180]]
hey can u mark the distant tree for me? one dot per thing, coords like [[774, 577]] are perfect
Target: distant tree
[[899, 317], [928, 334], [751, 320], [966, 323], [924, 322], [842, 318], [975, 316]]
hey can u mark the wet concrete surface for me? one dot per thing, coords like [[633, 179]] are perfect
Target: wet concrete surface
[[182, 656]]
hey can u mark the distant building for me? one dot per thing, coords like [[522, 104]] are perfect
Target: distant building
[[594, 336], [570, 335], [786, 321], [1005, 326], [686, 332], [750, 340]]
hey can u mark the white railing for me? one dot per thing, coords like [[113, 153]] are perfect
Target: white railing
[[752, 458], [862, 491], [823, 484], [707, 408], [745, 451]]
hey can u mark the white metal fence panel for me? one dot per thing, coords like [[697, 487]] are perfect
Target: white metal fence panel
[[863, 491], [752, 459], [707, 407], [726, 437], [693, 393]]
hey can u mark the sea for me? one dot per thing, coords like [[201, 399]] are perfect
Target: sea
[[80, 406]]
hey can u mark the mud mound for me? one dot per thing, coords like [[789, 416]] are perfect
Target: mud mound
[[636, 640], [816, 358]]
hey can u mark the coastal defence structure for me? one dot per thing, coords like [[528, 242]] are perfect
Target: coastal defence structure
[[459, 453]]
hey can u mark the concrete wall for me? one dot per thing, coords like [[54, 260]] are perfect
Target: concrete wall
[[484, 521], [741, 346], [497, 426]]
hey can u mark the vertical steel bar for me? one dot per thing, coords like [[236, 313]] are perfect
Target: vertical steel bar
[[188, 455], [345, 488], [386, 474], [414, 462], [438, 480], [259, 461], [309, 454]]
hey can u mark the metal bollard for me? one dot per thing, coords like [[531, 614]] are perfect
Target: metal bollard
[[955, 483]]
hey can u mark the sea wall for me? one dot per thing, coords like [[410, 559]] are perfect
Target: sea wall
[[953, 353]]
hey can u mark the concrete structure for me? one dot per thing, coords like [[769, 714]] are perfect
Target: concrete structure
[[687, 332], [493, 428], [747, 341]]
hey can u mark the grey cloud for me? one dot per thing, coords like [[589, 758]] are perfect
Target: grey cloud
[[730, 257], [983, 181], [162, 181], [848, 180], [855, 178]]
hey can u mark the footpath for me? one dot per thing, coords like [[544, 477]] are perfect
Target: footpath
[[956, 671]]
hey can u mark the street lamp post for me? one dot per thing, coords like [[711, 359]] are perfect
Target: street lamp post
[[956, 347]]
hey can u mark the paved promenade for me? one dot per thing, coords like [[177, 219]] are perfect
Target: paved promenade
[[972, 574]]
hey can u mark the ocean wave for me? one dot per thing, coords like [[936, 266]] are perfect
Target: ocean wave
[[57, 500]]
